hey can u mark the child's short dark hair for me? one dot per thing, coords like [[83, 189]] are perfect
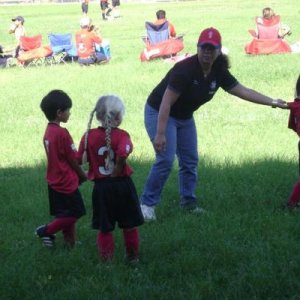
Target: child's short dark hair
[[54, 101], [160, 14], [298, 87]]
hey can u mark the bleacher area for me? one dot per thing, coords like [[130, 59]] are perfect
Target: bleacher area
[[13, 2]]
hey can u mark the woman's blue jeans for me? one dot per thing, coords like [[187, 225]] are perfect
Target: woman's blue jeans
[[181, 139]]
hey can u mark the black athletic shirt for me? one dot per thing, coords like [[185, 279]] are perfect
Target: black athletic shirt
[[186, 79]]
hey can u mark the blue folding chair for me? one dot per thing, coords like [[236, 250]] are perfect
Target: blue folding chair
[[157, 33], [62, 47], [104, 48]]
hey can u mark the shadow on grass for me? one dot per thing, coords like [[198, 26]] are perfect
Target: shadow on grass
[[243, 247]]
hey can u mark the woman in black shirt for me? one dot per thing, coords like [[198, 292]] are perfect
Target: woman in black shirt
[[169, 117]]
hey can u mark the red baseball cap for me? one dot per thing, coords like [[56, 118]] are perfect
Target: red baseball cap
[[210, 36]]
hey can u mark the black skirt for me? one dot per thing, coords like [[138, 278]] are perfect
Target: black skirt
[[115, 200]]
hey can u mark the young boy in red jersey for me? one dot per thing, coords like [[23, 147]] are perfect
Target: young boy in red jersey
[[63, 172], [115, 199], [294, 124]]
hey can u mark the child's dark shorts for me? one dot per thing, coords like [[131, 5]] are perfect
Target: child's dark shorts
[[103, 5], [115, 3], [65, 205], [115, 200]]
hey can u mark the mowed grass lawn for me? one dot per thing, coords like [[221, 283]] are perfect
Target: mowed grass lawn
[[245, 247]]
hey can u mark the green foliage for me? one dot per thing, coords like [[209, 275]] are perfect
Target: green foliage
[[245, 247]]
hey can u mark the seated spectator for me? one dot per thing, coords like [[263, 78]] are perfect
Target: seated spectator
[[2, 58], [86, 41], [270, 18], [268, 38], [161, 18], [6, 60], [284, 29], [19, 30]]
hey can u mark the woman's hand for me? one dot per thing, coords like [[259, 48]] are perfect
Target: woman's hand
[[279, 103], [169, 98], [159, 142]]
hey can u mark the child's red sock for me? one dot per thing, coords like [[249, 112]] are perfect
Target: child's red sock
[[295, 196], [131, 239], [69, 234], [66, 225], [106, 246]]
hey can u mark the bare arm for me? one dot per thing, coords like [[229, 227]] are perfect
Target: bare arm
[[12, 30], [81, 174], [169, 98], [120, 163], [256, 97]]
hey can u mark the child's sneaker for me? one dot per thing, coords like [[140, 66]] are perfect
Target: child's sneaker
[[198, 210], [131, 260], [47, 239], [194, 209], [148, 213]]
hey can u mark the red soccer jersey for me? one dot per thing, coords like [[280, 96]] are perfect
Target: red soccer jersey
[[85, 42], [60, 149], [121, 146], [294, 118]]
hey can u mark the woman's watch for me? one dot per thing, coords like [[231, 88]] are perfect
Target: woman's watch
[[274, 103]]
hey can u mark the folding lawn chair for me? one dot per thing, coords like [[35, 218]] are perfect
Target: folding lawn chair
[[30, 42], [104, 48], [268, 29], [31, 50], [157, 33], [62, 48], [267, 40], [158, 42]]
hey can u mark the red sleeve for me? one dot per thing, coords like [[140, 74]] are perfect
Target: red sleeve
[[97, 39], [172, 30], [69, 147], [124, 147], [294, 117]]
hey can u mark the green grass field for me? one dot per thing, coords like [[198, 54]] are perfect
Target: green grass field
[[245, 247]]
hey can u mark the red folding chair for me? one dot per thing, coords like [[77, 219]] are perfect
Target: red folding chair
[[31, 50], [266, 40]]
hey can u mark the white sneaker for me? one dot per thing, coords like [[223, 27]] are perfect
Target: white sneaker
[[148, 213], [198, 210], [194, 209]]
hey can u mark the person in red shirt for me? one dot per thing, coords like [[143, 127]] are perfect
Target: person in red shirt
[[86, 41], [294, 124], [161, 18], [115, 199], [63, 172]]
